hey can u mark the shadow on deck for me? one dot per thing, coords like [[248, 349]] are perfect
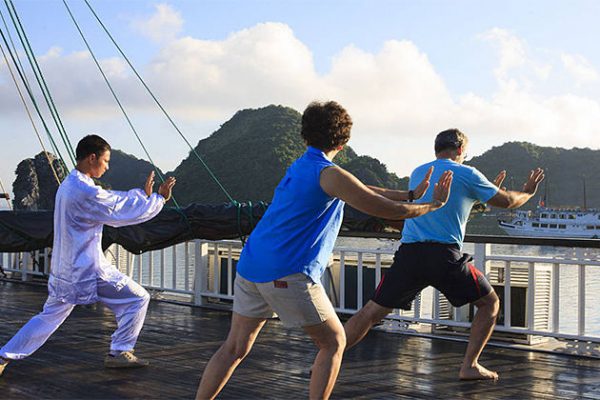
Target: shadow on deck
[[179, 340]]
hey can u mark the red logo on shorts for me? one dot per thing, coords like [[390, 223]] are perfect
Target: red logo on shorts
[[280, 284]]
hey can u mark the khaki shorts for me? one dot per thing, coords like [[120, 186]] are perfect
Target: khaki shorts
[[296, 299]]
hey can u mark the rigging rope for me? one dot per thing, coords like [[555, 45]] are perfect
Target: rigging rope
[[212, 175], [117, 99], [14, 47], [12, 11], [32, 98], [30, 116], [237, 204], [41, 82]]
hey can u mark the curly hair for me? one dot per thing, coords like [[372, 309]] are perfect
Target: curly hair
[[326, 125]]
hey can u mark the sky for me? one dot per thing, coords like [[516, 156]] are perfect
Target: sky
[[498, 70]]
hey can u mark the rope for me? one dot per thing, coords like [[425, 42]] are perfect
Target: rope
[[239, 222], [40, 78], [14, 47], [248, 209], [5, 192], [176, 127], [250, 215], [212, 175], [167, 115], [30, 116], [32, 98], [158, 173]]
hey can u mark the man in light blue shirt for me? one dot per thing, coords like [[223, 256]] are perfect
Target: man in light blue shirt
[[430, 254], [448, 224]]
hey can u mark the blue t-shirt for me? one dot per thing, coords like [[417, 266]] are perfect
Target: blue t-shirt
[[447, 224], [298, 231]]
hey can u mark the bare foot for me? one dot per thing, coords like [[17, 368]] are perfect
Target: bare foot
[[477, 372]]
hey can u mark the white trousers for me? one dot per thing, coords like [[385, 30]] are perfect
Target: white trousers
[[129, 305]]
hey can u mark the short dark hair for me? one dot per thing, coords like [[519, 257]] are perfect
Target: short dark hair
[[91, 144], [326, 125], [450, 139]]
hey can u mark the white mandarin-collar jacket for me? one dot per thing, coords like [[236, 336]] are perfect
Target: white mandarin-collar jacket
[[81, 209]]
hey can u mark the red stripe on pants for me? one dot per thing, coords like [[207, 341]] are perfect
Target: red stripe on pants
[[475, 273]]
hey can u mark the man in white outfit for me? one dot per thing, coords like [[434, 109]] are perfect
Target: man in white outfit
[[80, 274]]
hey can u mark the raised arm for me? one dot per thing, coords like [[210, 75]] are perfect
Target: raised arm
[[342, 184], [117, 208], [512, 198], [403, 195]]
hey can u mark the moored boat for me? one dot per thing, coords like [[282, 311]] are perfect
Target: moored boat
[[553, 222]]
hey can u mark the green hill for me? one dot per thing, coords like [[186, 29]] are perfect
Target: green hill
[[126, 172], [565, 169], [250, 154], [372, 172]]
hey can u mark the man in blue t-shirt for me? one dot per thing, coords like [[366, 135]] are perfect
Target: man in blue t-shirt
[[280, 267], [430, 254]]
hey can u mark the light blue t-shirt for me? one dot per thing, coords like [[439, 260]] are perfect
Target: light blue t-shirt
[[299, 229], [447, 224]]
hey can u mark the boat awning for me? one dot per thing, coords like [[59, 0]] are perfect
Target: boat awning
[[33, 230]]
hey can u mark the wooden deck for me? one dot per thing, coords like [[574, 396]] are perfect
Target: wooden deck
[[179, 340]]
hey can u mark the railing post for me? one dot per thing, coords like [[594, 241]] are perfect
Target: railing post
[[130, 263], [531, 295], [46, 262], [174, 267], [151, 268], [24, 271], [342, 286], [140, 261], [482, 250], [200, 271], [230, 270], [507, 295], [187, 266], [417, 306], [436, 309], [359, 281], [216, 269], [581, 292], [118, 257]]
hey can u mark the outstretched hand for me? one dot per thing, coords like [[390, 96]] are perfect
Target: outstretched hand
[[441, 190], [536, 176], [500, 179], [166, 187], [424, 185], [149, 185]]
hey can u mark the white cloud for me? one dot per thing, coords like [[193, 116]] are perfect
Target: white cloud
[[580, 68], [252, 67], [395, 95], [163, 26], [511, 51], [515, 64]]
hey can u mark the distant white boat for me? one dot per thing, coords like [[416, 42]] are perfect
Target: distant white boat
[[554, 222]]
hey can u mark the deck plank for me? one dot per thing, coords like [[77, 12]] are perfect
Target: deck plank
[[179, 340]]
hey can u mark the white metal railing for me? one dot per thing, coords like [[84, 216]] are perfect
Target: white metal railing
[[26, 264], [542, 295]]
